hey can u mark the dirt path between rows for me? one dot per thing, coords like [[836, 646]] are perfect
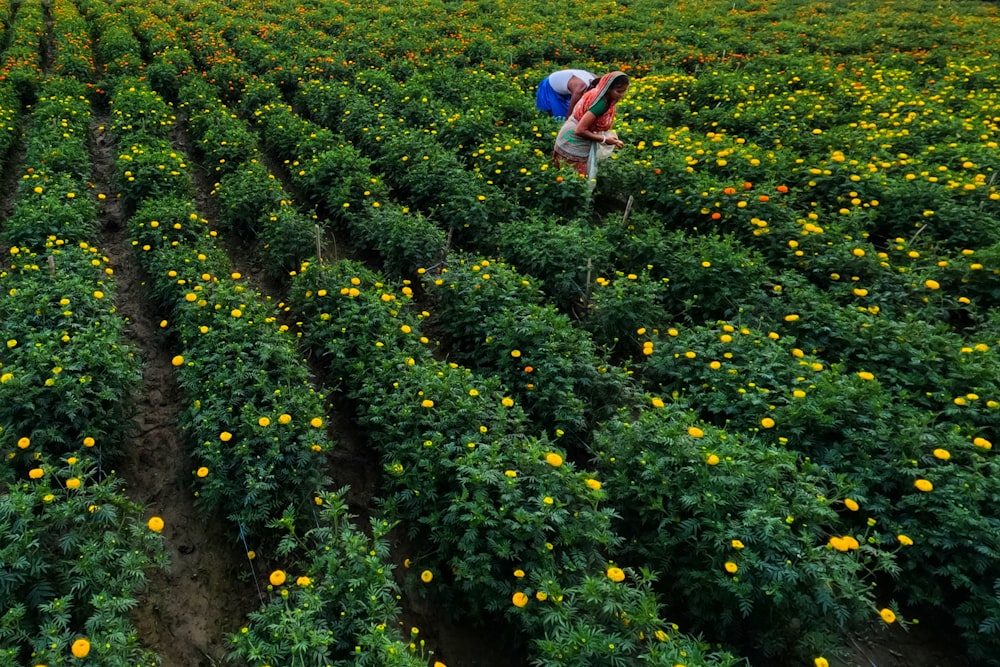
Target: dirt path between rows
[[206, 591]]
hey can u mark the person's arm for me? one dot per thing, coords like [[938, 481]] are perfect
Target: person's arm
[[583, 130], [577, 87]]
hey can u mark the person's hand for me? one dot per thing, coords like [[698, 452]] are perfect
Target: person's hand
[[613, 141]]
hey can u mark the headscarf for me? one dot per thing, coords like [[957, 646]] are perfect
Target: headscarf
[[603, 122]]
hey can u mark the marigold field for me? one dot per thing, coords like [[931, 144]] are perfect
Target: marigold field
[[310, 356]]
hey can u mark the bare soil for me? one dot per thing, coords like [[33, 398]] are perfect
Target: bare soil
[[207, 589]]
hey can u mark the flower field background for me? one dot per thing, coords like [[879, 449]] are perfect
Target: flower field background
[[310, 356]]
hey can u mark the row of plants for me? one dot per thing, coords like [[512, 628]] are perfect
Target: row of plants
[[22, 59], [75, 550], [256, 424]]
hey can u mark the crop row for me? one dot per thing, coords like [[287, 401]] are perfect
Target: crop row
[[75, 549]]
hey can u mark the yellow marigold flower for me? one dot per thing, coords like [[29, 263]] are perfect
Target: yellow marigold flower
[[303, 581], [427, 403], [519, 574], [865, 375], [982, 442], [798, 393], [88, 442], [519, 599], [277, 577], [695, 432], [924, 485], [737, 544], [515, 353], [80, 648], [851, 504], [837, 543], [767, 422], [712, 460], [858, 252], [177, 361], [155, 524], [541, 596], [73, 483], [316, 422], [657, 402], [202, 472], [553, 459], [616, 574], [225, 436], [931, 284], [24, 443], [285, 418], [593, 484], [904, 540], [264, 421], [236, 312], [942, 454], [426, 576], [887, 615], [507, 402], [791, 318], [731, 567], [821, 662], [36, 473]]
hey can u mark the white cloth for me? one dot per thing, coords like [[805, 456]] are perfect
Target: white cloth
[[560, 80]]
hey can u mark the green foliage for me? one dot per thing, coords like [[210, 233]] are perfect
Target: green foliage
[[75, 553], [747, 522], [320, 614]]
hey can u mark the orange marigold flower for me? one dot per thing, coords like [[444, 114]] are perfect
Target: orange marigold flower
[[80, 648]]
